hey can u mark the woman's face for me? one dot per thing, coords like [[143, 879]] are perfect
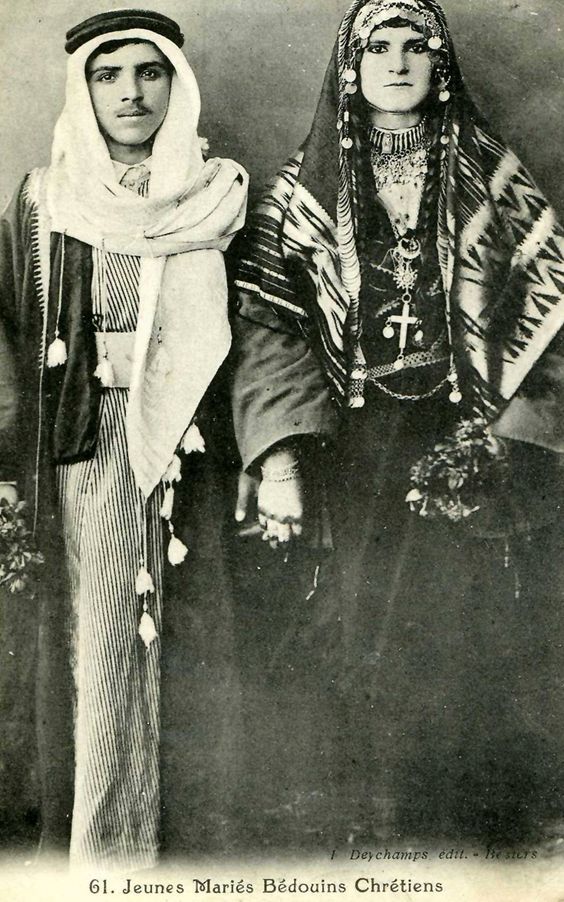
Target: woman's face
[[396, 70]]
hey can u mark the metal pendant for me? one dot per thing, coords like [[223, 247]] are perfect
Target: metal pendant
[[409, 248]]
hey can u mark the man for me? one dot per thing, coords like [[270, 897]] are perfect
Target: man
[[114, 324]]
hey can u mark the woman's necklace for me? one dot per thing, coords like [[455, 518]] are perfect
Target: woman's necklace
[[399, 157], [404, 255]]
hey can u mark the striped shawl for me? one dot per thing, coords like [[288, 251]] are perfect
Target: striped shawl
[[500, 248]]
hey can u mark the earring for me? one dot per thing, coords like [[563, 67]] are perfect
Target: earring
[[444, 93]]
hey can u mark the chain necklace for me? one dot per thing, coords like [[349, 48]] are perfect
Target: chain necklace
[[399, 158]]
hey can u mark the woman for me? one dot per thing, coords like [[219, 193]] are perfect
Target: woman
[[113, 285], [400, 297]]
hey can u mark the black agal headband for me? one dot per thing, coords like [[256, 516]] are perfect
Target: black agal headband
[[122, 20]]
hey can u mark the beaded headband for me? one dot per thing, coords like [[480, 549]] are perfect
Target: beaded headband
[[378, 11]]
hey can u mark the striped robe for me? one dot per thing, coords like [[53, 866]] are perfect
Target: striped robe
[[116, 680], [85, 707]]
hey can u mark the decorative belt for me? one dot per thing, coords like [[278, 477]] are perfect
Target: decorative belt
[[117, 347], [418, 358]]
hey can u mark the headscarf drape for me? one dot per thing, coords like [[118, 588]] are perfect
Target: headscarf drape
[[179, 231], [500, 248]]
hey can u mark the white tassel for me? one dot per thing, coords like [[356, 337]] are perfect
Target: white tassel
[[56, 353], [193, 440], [173, 470], [147, 629], [168, 501], [105, 373], [177, 551], [144, 582]]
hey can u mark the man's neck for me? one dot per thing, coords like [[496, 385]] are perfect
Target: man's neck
[[127, 153]]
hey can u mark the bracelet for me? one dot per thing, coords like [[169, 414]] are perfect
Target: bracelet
[[280, 474]]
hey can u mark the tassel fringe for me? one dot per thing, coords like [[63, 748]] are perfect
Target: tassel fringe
[[173, 473], [105, 373], [177, 551], [147, 629], [193, 440], [56, 353], [168, 501], [144, 582]]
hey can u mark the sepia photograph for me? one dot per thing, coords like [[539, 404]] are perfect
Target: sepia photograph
[[281, 449]]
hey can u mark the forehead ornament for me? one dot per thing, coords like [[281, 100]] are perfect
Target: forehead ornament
[[376, 12]]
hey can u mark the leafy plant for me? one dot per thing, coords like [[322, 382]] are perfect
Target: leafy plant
[[460, 473], [19, 559]]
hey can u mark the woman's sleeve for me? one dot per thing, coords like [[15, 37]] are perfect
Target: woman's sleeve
[[279, 389], [535, 414]]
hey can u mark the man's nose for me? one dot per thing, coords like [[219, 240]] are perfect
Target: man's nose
[[132, 87]]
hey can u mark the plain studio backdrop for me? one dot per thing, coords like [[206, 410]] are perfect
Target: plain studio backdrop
[[260, 65]]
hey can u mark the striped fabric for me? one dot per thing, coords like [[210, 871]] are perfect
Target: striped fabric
[[500, 248], [116, 679]]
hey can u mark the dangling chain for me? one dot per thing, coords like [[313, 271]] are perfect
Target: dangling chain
[[405, 275]]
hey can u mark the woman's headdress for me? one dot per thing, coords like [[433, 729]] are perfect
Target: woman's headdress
[[356, 27], [500, 249]]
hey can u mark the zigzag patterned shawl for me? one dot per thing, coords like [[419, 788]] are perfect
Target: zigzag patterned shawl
[[500, 248]]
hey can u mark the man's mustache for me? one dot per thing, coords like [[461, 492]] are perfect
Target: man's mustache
[[137, 110]]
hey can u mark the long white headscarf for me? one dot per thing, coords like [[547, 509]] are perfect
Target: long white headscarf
[[179, 231]]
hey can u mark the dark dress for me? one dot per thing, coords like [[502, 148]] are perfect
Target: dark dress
[[410, 696]]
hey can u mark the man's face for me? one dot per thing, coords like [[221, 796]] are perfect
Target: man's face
[[395, 70], [130, 89]]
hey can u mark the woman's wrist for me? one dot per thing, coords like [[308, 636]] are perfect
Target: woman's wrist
[[281, 464]]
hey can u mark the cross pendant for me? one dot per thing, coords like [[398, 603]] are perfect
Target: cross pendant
[[405, 320]]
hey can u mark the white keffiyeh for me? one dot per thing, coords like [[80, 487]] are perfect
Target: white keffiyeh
[[180, 230]]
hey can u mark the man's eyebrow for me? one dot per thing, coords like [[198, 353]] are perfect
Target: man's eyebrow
[[105, 67], [154, 63]]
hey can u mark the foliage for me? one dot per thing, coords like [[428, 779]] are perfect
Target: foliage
[[19, 559], [460, 473]]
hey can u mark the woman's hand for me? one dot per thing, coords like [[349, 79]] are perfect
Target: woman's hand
[[9, 492], [280, 497], [246, 506], [280, 509], [277, 498]]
